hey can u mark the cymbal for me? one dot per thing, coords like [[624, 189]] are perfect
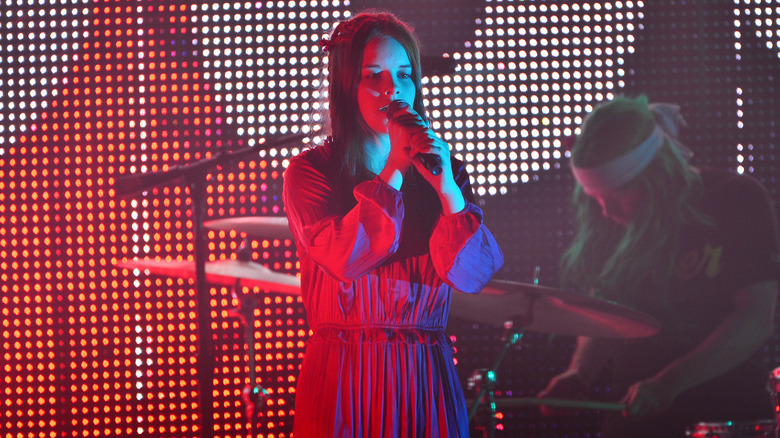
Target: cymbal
[[222, 272], [263, 227], [515, 402], [542, 309]]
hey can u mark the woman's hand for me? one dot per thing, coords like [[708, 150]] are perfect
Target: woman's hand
[[415, 137]]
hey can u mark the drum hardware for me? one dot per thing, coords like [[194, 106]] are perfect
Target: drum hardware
[[483, 381], [522, 402], [194, 175], [744, 429], [235, 273], [732, 429], [253, 394], [522, 306], [259, 227], [546, 310], [773, 386]]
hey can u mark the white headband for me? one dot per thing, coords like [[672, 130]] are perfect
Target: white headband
[[620, 170], [616, 172]]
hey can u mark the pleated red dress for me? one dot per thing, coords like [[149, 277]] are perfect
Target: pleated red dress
[[378, 267]]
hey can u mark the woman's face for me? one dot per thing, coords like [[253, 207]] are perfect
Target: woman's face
[[620, 205], [386, 75]]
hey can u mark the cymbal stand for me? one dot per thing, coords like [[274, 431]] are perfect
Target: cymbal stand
[[253, 395], [512, 335], [194, 175], [488, 377]]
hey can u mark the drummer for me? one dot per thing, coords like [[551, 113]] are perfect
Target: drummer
[[694, 247]]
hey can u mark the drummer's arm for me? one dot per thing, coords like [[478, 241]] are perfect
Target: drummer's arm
[[589, 357], [739, 336]]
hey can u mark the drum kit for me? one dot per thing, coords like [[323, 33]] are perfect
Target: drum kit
[[518, 306], [530, 307], [521, 307], [238, 274], [196, 176]]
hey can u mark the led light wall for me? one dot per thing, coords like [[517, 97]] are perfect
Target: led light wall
[[115, 121]]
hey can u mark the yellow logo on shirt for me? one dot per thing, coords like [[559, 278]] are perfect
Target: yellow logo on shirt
[[693, 262]]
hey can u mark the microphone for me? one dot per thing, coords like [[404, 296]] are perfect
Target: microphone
[[432, 162]]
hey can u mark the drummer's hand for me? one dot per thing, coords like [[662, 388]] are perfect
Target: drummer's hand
[[647, 398], [567, 385]]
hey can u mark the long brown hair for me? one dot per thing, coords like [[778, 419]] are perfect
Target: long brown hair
[[348, 130], [612, 259]]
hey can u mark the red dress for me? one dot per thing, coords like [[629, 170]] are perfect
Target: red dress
[[378, 267]]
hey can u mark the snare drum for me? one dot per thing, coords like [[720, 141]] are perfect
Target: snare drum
[[733, 429]]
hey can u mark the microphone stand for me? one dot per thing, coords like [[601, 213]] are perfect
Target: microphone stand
[[194, 174]]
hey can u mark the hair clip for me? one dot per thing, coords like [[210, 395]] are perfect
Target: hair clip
[[325, 44], [568, 142]]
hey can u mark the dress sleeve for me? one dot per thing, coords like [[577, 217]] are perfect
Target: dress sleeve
[[464, 252], [346, 246]]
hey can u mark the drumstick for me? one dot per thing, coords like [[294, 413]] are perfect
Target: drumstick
[[559, 403]]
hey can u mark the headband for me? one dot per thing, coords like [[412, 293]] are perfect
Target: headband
[[618, 171], [624, 168]]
